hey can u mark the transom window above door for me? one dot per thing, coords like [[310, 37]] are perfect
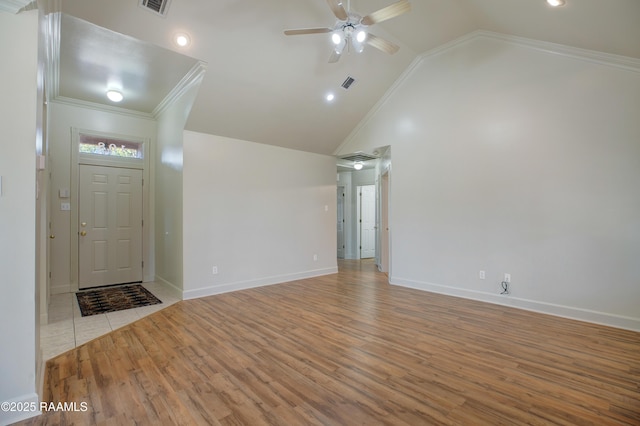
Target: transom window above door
[[99, 145]]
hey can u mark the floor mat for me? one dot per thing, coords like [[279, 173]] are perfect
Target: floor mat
[[112, 299]]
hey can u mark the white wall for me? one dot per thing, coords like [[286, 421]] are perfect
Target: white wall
[[62, 118], [168, 195], [513, 159], [18, 108], [257, 212]]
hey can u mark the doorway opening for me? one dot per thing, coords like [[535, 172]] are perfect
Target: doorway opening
[[363, 207]]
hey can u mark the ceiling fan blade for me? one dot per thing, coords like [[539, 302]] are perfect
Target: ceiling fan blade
[[385, 45], [391, 11], [338, 9], [308, 31]]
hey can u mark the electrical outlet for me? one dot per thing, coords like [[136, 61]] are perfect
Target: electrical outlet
[[481, 275], [507, 277], [315, 257], [215, 270]]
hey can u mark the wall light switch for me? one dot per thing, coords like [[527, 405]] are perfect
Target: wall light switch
[[481, 275], [63, 193]]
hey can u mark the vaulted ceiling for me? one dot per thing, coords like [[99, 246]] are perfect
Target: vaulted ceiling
[[263, 86]]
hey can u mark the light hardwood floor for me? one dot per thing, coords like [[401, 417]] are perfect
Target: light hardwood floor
[[349, 349]]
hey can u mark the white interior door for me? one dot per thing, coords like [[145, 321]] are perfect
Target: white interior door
[[367, 221], [110, 226], [340, 222]]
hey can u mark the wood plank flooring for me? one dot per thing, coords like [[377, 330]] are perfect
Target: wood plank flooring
[[348, 349]]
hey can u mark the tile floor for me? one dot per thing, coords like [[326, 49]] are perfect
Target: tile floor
[[67, 327]]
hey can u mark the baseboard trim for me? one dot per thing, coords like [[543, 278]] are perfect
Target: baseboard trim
[[244, 285], [29, 400], [176, 291], [602, 318]]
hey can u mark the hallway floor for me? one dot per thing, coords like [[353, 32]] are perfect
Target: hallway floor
[[68, 329]]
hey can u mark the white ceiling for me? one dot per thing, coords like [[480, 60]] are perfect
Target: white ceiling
[[263, 86]]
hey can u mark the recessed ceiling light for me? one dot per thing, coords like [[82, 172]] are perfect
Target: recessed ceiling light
[[182, 40], [330, 97], [114, 96], [555, 3]]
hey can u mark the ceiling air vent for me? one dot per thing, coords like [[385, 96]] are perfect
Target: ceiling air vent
[[156, 6], [358, 156], [348, 82]]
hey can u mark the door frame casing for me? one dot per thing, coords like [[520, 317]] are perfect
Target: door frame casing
[[359, 220], [344, 239], [97, 160], [384, 231]]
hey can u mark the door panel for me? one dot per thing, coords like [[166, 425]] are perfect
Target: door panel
[[110, 228]]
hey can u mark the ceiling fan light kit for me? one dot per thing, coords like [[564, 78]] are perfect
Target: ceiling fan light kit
[[351, 31]]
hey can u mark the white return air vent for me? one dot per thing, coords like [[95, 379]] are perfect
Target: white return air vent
[[348, 82], [358, 156], [158, 7]]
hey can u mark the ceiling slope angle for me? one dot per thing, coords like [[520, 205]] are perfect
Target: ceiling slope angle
[[263, 86]]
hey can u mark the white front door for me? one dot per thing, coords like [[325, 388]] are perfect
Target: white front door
[[110, 226], [367, 221]]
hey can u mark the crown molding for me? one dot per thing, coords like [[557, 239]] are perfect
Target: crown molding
[[100, 107], [601, 58], [594, 56], [192, 78], [52, 76]]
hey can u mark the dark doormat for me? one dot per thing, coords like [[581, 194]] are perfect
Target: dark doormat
[[111, 299]]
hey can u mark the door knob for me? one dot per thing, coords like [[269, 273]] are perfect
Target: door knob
[[83, 233], [52, 236]]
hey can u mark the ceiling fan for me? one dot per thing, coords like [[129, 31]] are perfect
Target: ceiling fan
[[350, 32]]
